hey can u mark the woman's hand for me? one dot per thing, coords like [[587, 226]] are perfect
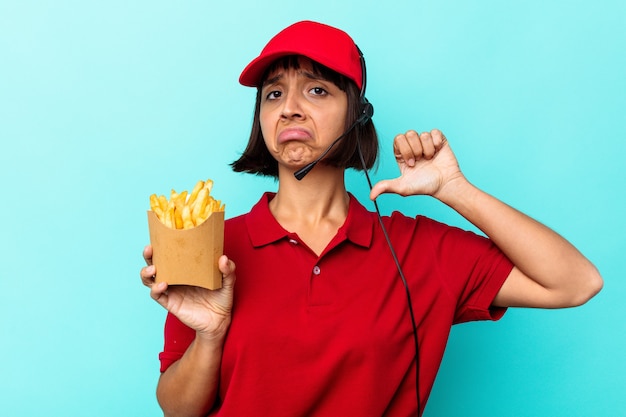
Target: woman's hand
[[208, 312], [427, 164]]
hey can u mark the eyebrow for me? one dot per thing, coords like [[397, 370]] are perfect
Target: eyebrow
[[273, 80], [307, 74]]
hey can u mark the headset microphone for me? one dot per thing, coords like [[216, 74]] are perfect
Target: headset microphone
[[299, 174], [367, 111]]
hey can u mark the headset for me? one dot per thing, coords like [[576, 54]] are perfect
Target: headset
[[367, 110], [366, 113]]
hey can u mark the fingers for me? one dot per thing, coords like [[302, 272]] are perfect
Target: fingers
[[439, 139], [411, 147], [147, 254], [158, 292], [407, 147], [148, 272]]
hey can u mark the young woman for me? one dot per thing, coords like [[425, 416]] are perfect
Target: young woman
[[319, 323]]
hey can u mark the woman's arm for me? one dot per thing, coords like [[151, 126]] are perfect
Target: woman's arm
[[549, 272], [189, 386]]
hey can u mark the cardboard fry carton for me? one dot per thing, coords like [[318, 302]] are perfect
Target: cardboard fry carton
[[188, 256]]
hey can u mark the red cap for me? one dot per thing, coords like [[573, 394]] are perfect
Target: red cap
[[324, 44]]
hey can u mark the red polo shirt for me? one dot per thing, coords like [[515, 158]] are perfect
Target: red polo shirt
[[330, 335]]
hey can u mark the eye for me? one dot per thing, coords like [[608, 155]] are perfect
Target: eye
[[273, 95], [318, 91]]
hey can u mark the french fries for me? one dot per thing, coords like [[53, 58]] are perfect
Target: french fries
[[186, 210]]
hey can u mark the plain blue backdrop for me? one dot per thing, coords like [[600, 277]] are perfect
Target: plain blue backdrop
[[103, 103]]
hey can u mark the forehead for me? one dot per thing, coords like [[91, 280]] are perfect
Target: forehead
[[292, 62], [312, 68], [307, 65]]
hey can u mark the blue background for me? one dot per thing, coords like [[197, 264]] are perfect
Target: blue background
[[103, 103]]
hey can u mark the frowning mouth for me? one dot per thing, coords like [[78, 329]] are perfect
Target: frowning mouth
[[294, 133]]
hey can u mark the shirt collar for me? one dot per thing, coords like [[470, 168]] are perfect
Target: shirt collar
[[264, 229]]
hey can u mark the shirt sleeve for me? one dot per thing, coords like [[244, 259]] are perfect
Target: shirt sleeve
[[178, 337], [470, 267]]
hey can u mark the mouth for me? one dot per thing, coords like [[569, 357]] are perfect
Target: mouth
[[293, 133]]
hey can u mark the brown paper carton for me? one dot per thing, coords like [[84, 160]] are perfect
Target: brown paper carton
[[188, 256]]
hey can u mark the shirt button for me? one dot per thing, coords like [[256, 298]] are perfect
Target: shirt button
[[293, 241], [316, 270]]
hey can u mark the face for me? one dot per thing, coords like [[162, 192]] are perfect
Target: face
[[301, 114]]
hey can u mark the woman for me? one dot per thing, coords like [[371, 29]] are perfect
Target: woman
[[318, 323]]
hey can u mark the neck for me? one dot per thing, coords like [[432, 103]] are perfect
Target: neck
[[318, 196]]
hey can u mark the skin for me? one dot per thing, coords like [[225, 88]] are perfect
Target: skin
[[292, 138], [549, 273], [189, 386], [301, 116]]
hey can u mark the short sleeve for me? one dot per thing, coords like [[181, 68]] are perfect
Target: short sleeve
[[178, 337], [473, 269], [468, 267]]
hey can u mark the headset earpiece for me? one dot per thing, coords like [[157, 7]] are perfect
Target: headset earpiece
[[367, 109]]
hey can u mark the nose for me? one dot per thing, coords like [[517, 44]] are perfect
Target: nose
[[292, 107]]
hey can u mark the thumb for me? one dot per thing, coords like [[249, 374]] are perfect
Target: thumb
[[227, 267], [381, 187]]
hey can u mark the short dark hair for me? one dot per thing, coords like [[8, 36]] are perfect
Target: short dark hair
[[256, 159]]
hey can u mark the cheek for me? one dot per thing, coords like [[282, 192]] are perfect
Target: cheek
[[335, 123]]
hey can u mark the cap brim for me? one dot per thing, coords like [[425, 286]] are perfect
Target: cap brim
[[252, 74]]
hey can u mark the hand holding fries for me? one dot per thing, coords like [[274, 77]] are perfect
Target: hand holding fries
[[184, 210]]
